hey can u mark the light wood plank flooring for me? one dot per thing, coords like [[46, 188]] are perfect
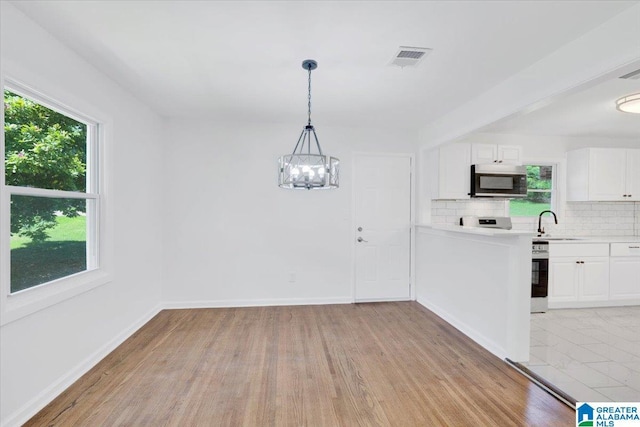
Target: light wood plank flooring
[[388, 364]]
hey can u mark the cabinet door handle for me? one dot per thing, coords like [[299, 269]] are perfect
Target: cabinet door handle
[[634, 247]]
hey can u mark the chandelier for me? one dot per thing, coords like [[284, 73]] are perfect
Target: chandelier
[[307, 168]]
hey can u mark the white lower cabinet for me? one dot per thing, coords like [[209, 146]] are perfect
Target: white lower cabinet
[[624, 279], [594, 280], [576, 279], [578, 274]]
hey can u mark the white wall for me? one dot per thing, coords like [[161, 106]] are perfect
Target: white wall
[[43, 352], [235, 237], [479, 284]]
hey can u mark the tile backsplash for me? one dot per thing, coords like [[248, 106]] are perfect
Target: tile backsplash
[[577, 218], [450, 211]]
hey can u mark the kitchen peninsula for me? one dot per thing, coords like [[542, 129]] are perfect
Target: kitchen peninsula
[[478, 280]]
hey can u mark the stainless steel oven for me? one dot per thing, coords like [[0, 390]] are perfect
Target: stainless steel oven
[[539, 276]]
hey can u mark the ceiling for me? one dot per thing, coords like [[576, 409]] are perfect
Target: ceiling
[[239, 61], [587, 113]]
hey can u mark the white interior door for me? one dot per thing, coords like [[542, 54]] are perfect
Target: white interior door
[[382, 238]]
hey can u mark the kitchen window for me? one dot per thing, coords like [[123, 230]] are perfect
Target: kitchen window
[[51, 192], [540, 192]]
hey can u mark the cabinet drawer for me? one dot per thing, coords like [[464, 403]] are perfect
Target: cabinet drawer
[[625, 249], [578, 249]]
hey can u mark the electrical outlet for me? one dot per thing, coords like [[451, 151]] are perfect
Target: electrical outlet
[[292, 277]]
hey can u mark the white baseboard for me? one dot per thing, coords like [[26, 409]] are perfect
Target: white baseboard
[[593, 304], [255, 303], [383, 299], [466, 329], [32, 407]]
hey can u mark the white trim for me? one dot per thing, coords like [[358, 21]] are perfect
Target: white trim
[[36, 298], [412, 236], [27, 91], [23, 303], [466, 329], [255, 302], [45, 192], [5, 225], [32, 407], [412, 216], [593, 304], [382, 299]]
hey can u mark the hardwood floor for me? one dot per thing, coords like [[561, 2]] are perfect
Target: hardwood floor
[[364, 364]]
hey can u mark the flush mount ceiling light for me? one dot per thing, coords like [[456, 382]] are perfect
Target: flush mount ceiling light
[[629, 103], [305, 168]]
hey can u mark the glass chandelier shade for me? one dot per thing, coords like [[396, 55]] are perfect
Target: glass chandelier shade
[[307, 168]]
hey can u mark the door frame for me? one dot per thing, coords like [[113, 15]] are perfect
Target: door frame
[[412, 209]]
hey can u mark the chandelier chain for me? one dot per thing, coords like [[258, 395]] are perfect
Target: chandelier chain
[[309, 96]]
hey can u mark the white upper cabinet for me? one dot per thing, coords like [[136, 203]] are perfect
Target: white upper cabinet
[[607, 174], [449, 171], [603, 174], [492, 153], [510, 154], [484, 153], [633, 175]]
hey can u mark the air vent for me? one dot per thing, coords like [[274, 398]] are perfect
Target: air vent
[[634, 75], [409, 56]]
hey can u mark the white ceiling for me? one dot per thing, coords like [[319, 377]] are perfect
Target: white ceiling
[[240, 60], [588, 113]]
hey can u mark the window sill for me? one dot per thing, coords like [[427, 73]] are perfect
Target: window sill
[[21, 304]]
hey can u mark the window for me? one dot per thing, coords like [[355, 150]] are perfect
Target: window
[[540, 187], [51, 180]]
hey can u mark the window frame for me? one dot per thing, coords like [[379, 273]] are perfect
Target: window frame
[[27, 301], [554, 189]]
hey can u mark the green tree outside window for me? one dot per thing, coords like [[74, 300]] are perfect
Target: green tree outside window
[[539, 192], [43, 149]]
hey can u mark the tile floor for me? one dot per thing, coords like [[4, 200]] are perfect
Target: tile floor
[[591, 354]]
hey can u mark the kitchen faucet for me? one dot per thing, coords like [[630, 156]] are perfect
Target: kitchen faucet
[[540, 229]]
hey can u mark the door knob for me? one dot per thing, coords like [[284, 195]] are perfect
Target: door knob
[[360, 239], [359, 228]]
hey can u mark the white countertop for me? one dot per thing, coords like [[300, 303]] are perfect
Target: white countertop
[[550, 238], [590, 239], [476, 230]]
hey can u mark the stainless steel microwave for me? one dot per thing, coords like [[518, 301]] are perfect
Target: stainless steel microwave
[[501, 181]]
